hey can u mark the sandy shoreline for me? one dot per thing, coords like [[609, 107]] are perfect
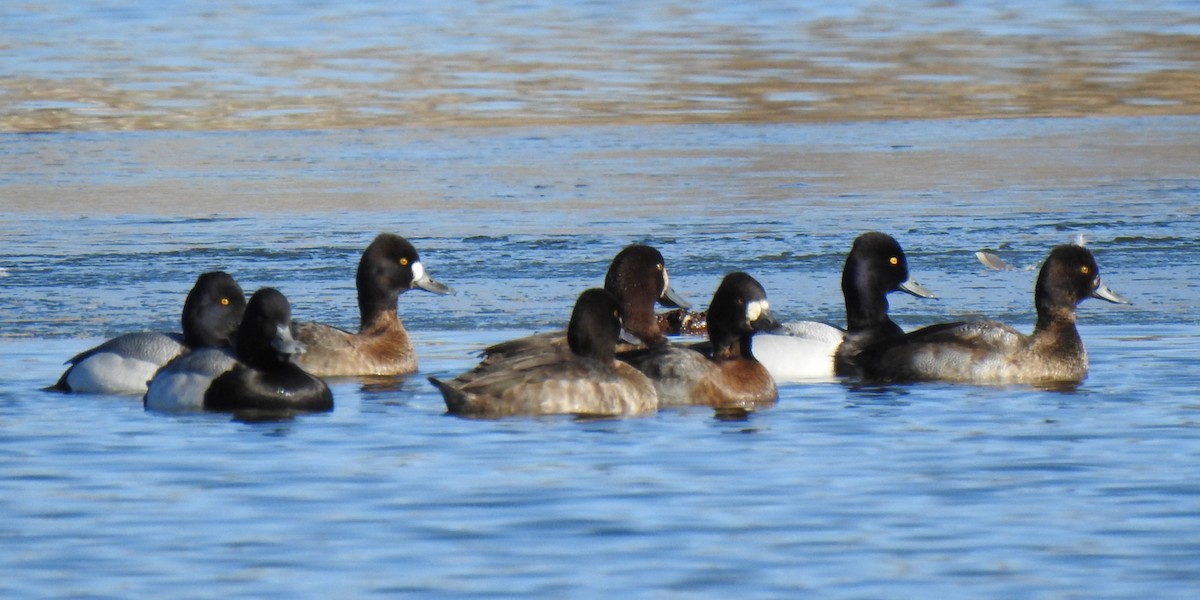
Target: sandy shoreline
[[360, 66], [414, 170]]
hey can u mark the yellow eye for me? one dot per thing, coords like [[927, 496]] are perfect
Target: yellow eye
[[659, 266], [1085, 270], [404, 262], [894, 260], [224, 301]]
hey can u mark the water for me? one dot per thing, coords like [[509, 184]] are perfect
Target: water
[[840, 490], [854, 492], [286, 64]]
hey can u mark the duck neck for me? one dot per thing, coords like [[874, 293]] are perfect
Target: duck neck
[[254, 351], [864, 309], [728, 345], [196, 337], [640, 320], [1059, 339], [603, 352], [377, 309], [1055, 310], [1052, 318], [384, 321]]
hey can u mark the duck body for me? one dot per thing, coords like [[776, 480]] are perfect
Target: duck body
[[582, 379], [802, 351], [687, 376], [282, 387], [121, 365], [546, 384], [389, 266], [983, 352], [992, 352], [125, 364], [180, 385], [382, 348]]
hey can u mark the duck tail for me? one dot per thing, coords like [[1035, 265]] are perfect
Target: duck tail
[[61, 385], [457, 401]]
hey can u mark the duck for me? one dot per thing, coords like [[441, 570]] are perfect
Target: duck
[[989, 352], [389, 267], [638, 278], [123, 365], [258, 374], [809, 350], [722, 373], [586, 381], [682, 321]]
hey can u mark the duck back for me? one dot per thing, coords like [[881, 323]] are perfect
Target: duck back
[[122, 365], [544, 387]]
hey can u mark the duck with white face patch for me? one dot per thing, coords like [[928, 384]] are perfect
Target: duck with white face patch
[[725, 374], [389, 267]]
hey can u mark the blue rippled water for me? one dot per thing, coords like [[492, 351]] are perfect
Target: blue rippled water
[[840, 491]]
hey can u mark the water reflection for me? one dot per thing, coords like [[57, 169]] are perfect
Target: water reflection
[[732, 413], [269, 417], [382, 385]]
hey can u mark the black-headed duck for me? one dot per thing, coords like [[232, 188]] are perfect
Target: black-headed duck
[[638, 278], [124, 364], [588, 380], [389, 267], [992, 352], [875, 267], [726, 375], [258, 375]]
